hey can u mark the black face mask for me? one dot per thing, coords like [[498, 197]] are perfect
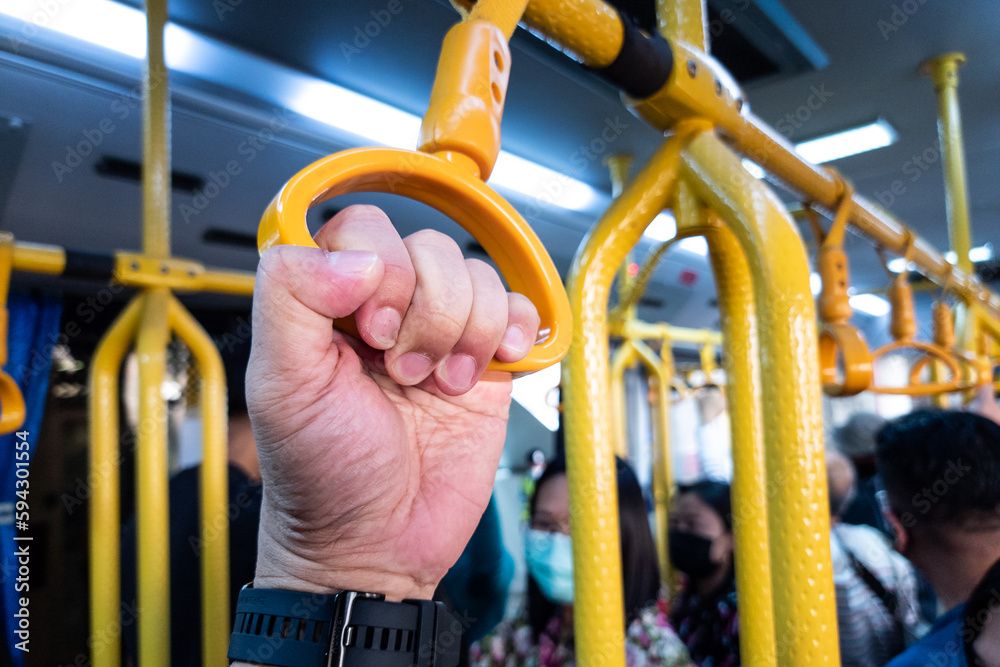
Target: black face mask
[[690, 554]]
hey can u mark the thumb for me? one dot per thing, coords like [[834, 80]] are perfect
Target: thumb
[[298, 292]]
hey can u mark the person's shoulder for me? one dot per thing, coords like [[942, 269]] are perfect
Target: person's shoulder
[[941, 647]]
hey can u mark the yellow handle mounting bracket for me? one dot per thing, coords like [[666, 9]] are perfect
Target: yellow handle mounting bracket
[[838, 340], [12, 408], [459, 144]]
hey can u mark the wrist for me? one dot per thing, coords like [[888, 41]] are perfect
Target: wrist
[[282, 565]]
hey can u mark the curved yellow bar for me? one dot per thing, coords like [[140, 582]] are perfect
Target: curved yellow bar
[[622, 359], [152, 513], [12, 408], [597, 604], [741, 359], [429, 179], [214, 480], [103, 481], [798, 508], [750, 488]]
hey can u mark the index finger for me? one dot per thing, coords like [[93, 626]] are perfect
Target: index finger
[[368, 228]]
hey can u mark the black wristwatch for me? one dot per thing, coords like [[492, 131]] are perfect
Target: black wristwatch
[[349, 629]]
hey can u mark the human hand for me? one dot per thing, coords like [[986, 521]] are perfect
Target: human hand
[[378, 456]]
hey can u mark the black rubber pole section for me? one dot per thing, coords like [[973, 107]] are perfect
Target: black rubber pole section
[[643, 65], [89, 265]]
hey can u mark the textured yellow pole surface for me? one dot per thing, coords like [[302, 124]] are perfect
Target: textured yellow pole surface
[[597, 604], [622, 359], [155, 138], [683, 20], [663, 474], [943, 71], [798, 509], [214, 480], [152, 507], [741, 359], [103, 480]]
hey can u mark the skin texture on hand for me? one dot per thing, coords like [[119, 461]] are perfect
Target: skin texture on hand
[[378, 456]]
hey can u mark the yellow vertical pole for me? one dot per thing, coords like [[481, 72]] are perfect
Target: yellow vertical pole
[[683, 20], [798, 509], [620, 362], [750, 489], [105, 502], [663, 474], [943, 71], [214, 529], [152, 498], [619, 166], [597, 604], [741, 358], [155, 138]]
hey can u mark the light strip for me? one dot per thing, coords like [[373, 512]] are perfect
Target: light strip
[[849, 142], [983, 253], [122, 28], [870, 304]]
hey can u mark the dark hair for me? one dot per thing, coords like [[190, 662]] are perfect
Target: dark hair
[[978, 610], [923, 456], [640, 569], [715, 494]]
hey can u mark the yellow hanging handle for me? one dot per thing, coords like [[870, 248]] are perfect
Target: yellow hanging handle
[[459, 144], [903, 328], [974, 372], [838, 340], [12, 408]]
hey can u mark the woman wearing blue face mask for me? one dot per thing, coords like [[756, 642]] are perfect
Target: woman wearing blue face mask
[[543, 635], [701, 547]]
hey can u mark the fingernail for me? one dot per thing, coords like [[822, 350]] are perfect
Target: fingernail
[[459, 371], [385, 327], [352, 261], [413, 367], [513, 339]]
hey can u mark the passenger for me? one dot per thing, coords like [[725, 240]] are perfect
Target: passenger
[[715, 451], [981, 622], [543, 633], [701, 547], [856, 440], [941, 472], [877, 606]]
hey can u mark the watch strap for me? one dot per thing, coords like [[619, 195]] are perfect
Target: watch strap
[[351, 629]]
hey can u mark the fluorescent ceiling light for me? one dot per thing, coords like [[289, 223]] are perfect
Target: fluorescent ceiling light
[[535, 393], [870, 304], [123, 29], [108, 24], [815, 283], [755, 169], [696, 244], [662, 228], [898, 264], [983, 253], [544, 184], [849, 142]]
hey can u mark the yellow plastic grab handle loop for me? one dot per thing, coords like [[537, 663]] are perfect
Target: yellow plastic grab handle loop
[[844, 359], [853, 374], [12, 408], [915, 387], [453, 191]]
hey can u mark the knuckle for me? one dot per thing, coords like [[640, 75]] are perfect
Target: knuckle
[[433, 239]]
